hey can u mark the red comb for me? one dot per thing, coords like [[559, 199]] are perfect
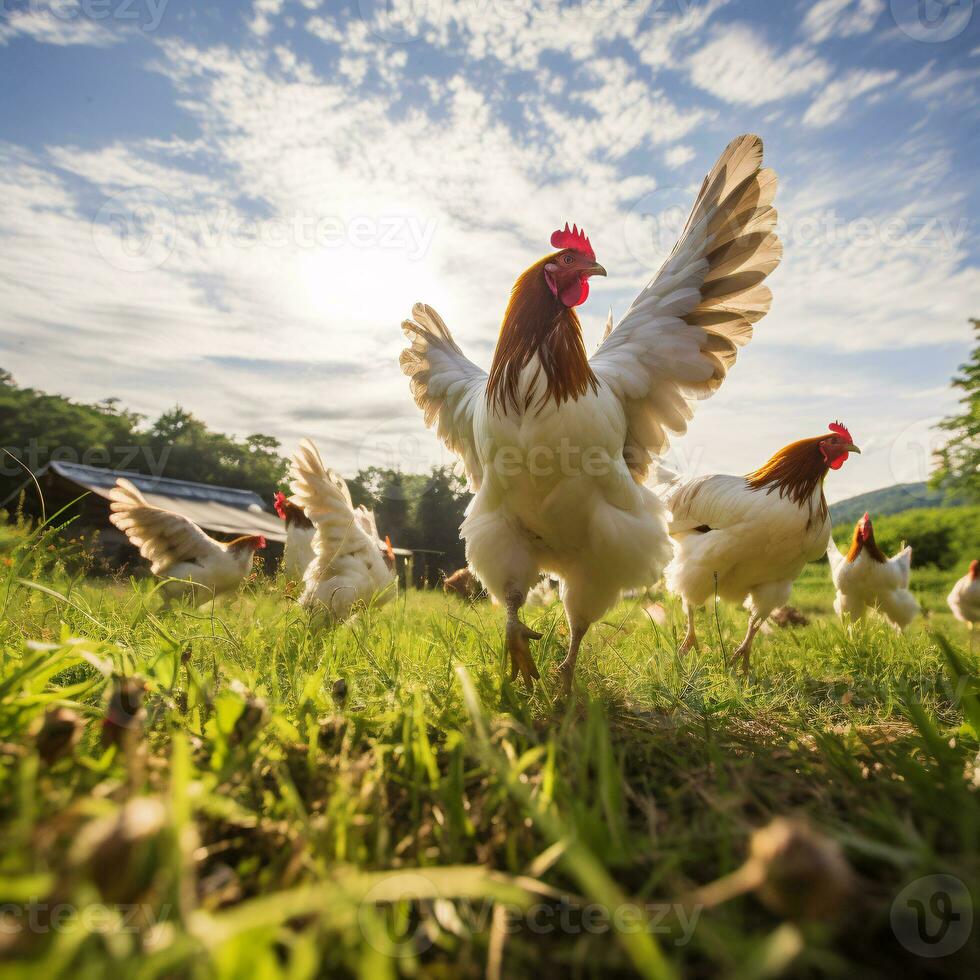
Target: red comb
[[261, 543], [575, 239], [841, 430], [279, 502]]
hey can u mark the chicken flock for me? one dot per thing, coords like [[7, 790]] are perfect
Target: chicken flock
[[331, 546], [562, 452]]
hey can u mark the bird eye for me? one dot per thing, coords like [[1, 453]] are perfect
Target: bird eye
[[567, 258]]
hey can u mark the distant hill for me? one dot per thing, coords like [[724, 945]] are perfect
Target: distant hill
[[889, 500]]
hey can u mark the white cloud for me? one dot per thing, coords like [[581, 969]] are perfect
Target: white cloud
[[232, 309], [517, 35], [62, 24], [119, 167], [738, 65], [306, 149], [626, 113], [841, 18], [943, 88], [678, 156], [838, 96], [876, 261], [264, 12]]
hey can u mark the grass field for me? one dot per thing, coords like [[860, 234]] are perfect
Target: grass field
[[246, 816]]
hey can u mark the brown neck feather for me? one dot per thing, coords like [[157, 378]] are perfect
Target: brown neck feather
[[241, 542], [870, 546], [535, 322], [796, 472], [295, 514]]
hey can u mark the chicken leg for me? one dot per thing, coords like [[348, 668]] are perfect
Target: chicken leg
[[690, 641], [567, 667], [743, 650], [518, 635]]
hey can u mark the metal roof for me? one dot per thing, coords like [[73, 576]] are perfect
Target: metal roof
[[221, 509]]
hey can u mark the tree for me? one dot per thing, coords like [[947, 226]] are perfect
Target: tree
[[959, 460], [421, 511], [440, 511], [36, 428], [417, 510]]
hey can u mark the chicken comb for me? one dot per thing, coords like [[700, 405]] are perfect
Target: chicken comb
[[841, 430], [575, 239], [279, 502]]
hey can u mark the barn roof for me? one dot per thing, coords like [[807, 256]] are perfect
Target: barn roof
[[221, 509]]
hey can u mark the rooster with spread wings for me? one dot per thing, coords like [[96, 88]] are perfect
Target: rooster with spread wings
[[557, 445]]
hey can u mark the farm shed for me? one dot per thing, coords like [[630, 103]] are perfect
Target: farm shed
[[223, 512]]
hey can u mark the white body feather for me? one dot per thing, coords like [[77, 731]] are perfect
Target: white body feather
[[543, 594], [865, 584], [298, 552], [348, 568], [544, 506], [175, 546], [758, 544], [964, 600], [559, 488]]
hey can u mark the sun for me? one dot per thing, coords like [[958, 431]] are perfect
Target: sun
[[375, 283]]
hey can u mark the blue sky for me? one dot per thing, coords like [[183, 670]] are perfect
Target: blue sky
[[232, 206]]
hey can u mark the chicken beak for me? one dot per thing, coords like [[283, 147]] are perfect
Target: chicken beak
[[595, 270], [851, 448]]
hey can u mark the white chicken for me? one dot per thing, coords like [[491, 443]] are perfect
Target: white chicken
[[747, 538], [348, 568], [543, 594], [178, 549], [557, 445], [298, 553], [964, 600], [865, 578]]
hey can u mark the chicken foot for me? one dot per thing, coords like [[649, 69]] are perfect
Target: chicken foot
[[742, 651], [517, 636]]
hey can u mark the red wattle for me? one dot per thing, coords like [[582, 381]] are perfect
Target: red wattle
[[576, 293], [837, 463]]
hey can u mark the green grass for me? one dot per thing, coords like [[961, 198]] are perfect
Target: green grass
[[439, 819]]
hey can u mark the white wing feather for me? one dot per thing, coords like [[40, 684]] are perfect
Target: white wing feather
[[718, 501], [164, 538], [348, 566], [902, 563], [447, 386], [682, 333], [837, 560]]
